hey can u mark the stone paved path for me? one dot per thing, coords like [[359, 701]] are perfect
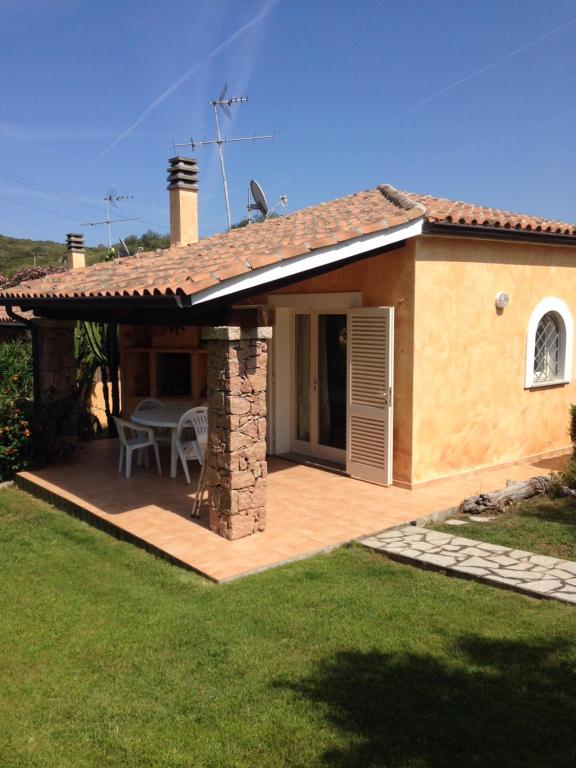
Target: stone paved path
[[526, 572]]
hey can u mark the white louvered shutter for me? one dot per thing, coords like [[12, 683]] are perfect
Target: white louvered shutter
[[370, 376]]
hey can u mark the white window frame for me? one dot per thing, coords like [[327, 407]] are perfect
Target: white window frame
[[560, 310]]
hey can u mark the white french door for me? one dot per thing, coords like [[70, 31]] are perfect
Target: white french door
[[342, 374], [370, 378], [319, 386]]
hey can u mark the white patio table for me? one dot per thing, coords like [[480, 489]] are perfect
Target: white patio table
[[167, 417]]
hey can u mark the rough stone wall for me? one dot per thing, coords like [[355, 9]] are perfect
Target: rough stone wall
[[237, 470], [56, 360]]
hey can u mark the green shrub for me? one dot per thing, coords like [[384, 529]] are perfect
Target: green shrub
[[573, 430], [15, 435], [29, 438], [568, 476], [16, 376], [16, 385]]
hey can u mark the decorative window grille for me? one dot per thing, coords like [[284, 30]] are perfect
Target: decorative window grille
[[547, 349]]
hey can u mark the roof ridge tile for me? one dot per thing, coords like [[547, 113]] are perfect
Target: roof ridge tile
[[400, 199]]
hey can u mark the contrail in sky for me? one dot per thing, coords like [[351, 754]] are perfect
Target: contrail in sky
[[187, 75], [480, 71]]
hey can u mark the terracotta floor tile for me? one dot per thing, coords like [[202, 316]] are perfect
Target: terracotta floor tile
[[330, 509]]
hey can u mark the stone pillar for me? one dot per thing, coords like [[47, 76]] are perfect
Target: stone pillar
[[55, 359], [236, 455]]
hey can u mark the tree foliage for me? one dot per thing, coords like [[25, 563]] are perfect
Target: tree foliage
[[256, 219], [149, 241]]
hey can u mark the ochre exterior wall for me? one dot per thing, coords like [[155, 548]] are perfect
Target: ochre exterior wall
[[470, 406], [97, 407], [385, 280], [459, 397]]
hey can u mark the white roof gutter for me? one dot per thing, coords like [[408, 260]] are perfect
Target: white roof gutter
[[309, 261]]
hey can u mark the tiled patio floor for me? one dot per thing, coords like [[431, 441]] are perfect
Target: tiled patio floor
[[309, 509]]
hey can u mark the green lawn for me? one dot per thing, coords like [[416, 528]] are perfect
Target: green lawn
[[542, 525], [109, 657]]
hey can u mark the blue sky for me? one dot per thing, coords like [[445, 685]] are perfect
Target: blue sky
[[471, 100]]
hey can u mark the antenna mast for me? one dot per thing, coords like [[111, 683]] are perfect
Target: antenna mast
[[111, 199], [224, 105]]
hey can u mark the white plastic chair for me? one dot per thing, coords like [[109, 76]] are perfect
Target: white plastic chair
[[190, 449], [199, 418], [147, 404], [133, 437], [162, 434]]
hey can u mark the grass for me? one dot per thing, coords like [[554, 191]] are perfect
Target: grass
[[543, 525], [109, 657]]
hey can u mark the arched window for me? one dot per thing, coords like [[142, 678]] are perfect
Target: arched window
[[549, 344], [547, 349]]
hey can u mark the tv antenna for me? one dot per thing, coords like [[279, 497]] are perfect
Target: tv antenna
[[260, 203], [111, 200], [36, 254], [224, 104], [125, 246]]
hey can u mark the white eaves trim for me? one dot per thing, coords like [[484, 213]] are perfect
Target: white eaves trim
[[309, 261]]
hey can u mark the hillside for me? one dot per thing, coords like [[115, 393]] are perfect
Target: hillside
[[18, 253]]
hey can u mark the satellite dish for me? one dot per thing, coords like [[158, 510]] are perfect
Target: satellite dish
[[259, 197]]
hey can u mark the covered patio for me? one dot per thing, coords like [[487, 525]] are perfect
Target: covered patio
[[309, 510]]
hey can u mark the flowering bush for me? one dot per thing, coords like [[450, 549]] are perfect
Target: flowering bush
[[29, 438], [15, 406], [15, 436], [30, 273]]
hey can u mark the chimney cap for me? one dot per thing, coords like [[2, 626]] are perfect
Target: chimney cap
[[74, 242], [184, 160], [183, 173]]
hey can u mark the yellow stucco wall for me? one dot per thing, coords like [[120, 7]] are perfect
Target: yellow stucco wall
[[97, 403], [470, 405], [386, 280]]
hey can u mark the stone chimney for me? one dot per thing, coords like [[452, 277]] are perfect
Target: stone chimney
[[75, 256], [183, 186]]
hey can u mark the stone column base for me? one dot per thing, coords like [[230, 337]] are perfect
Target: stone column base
[[236, 455]]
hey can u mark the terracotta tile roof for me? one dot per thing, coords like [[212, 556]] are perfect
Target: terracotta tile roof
[[190, 269], [441, 210]]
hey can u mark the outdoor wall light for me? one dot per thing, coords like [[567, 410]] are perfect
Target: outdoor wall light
[[502, 300]]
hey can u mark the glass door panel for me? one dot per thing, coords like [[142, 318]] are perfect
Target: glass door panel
[[332, 330], [319, 385], [302, 377]]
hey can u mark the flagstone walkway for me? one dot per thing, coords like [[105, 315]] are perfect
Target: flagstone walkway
[[526, 572]]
